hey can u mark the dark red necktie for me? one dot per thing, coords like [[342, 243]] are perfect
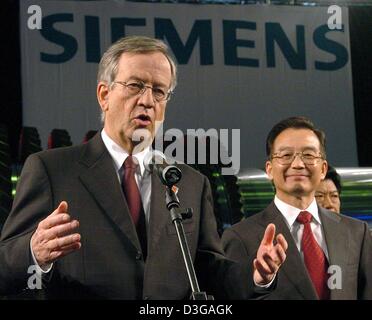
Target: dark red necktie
[[134, 202], [314, 257]]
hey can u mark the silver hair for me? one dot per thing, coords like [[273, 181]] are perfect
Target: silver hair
[[108, 66]]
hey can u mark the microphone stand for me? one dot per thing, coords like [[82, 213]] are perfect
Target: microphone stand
[[177, 216]]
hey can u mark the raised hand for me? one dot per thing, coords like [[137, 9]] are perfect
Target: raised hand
[[270, 256], [53, 237]]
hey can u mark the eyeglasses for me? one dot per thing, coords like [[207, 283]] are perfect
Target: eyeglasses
[[138, 87], [307, 157]]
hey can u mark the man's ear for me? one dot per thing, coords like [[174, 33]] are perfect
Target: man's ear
[[269, 168], [324, 169], [102, 95]]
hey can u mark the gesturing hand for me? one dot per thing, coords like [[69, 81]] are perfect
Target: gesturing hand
[[269, 256], [53, 237]]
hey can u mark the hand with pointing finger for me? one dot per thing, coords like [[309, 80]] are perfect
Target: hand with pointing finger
[[270, 256], [54, 237]]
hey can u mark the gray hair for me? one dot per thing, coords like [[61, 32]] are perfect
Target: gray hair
[[108, 66]]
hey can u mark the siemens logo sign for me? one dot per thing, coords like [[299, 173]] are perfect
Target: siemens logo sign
[[275, 40]]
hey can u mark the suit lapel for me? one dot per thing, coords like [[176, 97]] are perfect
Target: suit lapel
[[100, 179], [293, 268], [337, 240]]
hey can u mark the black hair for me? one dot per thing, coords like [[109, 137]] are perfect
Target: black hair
[[335, 177], [294, 123]]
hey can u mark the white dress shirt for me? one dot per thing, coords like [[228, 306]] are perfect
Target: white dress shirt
[[290, 215]]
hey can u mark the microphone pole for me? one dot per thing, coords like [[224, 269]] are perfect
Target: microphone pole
[[177, 216], [169, 175]]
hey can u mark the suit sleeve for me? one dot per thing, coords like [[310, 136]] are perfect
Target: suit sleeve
[[236, 250], [33, 202], [365, 267]]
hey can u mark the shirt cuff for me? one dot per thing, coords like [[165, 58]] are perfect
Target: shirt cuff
[[265, 286], [39, 269]]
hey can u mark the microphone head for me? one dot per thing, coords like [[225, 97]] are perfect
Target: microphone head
[[168, 174], [171, 175]]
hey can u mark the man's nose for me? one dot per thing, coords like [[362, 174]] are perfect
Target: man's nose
[[147, 98], [297, 162]]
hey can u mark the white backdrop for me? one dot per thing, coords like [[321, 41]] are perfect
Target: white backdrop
[[251, 95]]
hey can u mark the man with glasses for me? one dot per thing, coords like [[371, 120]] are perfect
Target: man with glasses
[[93, 220], [328, 256]]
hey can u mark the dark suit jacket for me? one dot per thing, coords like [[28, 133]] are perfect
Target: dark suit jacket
[[109, 264], [349, 246]]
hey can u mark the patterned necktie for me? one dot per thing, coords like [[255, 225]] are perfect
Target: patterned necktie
[[314, 257], [134, 202]]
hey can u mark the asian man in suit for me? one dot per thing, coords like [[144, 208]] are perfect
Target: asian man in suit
[[329, 256]]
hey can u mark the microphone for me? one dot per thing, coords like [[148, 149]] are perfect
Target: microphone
[[156, 161]]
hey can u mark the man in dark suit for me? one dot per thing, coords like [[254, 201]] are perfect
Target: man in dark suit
[[93, 220], [329, 256]]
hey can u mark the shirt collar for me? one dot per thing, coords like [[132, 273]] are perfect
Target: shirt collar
[[290, 213], [119, 155]]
